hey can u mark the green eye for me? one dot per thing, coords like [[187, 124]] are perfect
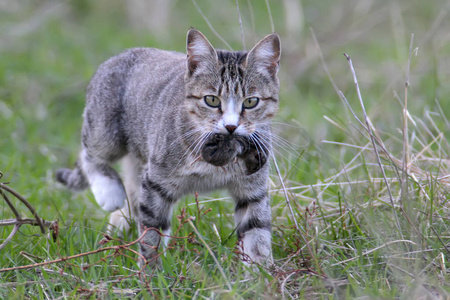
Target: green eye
[[250, 102], [212, 101]]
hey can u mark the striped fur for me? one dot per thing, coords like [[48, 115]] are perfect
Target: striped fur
[[148, 108]]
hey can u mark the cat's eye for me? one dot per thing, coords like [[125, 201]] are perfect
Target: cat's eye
[[212, 101], [250, 102]]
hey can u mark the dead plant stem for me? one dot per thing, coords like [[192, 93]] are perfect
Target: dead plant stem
[[369, 130]]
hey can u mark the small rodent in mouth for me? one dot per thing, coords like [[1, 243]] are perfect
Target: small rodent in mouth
[[220, 149]]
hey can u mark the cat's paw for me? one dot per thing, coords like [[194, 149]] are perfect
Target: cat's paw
[[121, 222], [254, 158], [108, 192]]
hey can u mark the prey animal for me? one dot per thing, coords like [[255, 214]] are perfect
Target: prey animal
[[181, 123]]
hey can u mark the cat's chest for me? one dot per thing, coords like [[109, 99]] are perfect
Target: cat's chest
[[204, 176]]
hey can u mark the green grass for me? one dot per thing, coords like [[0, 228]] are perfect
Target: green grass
[[351, 242]]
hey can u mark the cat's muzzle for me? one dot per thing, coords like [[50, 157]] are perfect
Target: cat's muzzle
[[220, 149]]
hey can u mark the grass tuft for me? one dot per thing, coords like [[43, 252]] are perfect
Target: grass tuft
[[360, 177]]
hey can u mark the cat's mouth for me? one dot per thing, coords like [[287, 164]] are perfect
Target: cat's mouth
[[220, 149]]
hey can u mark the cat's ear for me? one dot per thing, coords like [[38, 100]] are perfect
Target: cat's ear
[[199, 50], [265, 56]]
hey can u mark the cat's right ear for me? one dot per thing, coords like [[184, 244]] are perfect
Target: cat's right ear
[[199, 50]]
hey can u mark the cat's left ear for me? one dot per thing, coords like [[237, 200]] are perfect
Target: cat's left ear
[[200, 52], [265, 56]]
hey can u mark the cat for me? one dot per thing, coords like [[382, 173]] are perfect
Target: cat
[[181, 123]]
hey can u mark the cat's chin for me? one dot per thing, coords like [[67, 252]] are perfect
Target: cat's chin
[[220, 149]]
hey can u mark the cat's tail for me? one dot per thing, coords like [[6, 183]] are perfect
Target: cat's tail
[[73, 179]]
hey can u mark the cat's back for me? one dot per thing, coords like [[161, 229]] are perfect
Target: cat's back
[[133, 89], [135, 76], [129, 65], [152, 70], [154, 56]]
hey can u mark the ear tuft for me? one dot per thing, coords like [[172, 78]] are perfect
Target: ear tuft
[[199, 50], [265, 56]]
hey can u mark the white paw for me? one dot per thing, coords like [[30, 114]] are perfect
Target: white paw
[[108, 193], [119, 223]]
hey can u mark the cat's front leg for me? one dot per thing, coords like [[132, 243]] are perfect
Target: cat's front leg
[[253, 226], [155, 210]]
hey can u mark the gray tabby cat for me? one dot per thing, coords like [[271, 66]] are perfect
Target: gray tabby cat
[[181, 124]]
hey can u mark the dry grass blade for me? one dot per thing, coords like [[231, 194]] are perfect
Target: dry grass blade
[[240, 24], [372, 138], [373, 250], [288, 202], [406, 155], [210, 26], [272, 26], [212, 255]]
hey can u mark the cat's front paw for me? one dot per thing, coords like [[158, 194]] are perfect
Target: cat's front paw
[[254, 158]]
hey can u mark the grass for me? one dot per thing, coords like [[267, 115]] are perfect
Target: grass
[[361, 233]]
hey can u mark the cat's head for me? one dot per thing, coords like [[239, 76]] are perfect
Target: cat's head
[[233, 93]]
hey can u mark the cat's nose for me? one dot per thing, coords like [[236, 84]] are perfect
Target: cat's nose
[[230, 128]]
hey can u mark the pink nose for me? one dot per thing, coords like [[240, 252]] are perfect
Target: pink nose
[[230, 128]]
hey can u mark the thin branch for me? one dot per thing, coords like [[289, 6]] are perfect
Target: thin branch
[[11, 206], [27, 204], [28, 221], [10, 236], [63, 259]]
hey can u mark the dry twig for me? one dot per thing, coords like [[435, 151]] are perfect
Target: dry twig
[[19, 221]]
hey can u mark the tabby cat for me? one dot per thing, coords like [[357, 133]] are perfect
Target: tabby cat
[[181, 123]]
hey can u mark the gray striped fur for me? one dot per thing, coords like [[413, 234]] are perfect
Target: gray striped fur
[[147, 107]]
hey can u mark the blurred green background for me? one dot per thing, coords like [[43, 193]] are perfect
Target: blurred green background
[[50, 49]]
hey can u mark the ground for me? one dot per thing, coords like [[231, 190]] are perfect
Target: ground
[[359, 188]]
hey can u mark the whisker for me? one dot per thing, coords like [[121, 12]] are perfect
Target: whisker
[[188, 150], [259, 144], [273, 150], [263, 140], [201, 143], [282, 143], [187, 134], [193, 147]]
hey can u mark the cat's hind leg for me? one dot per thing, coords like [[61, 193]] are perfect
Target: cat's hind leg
[[122, 219], [104, 181]]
